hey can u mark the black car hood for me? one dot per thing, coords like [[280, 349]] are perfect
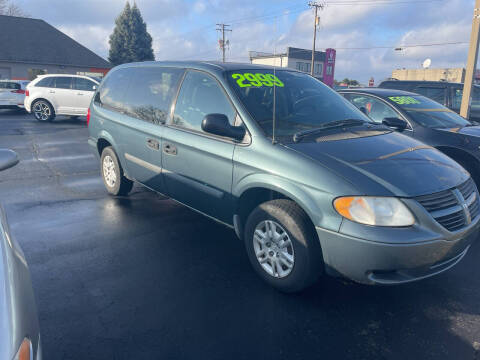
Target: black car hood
[[468, 130], [387, 164]]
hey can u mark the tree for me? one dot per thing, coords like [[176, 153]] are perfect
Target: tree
[[8, 7], [347, 81], [130, 40]]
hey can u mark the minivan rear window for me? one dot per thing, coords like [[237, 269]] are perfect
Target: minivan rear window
[[112, 91]]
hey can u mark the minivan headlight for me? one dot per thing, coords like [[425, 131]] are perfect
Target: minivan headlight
[[377, 211]]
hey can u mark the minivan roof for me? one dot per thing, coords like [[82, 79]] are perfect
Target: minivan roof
[[206, 65]]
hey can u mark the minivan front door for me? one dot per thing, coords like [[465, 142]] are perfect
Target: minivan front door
[[197, 166]]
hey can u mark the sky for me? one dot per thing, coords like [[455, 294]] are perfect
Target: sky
[[364, 32]]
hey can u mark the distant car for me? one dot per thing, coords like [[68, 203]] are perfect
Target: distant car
[[12, 94], [19, 329], [423, 119], [51, 95], [446, 93]]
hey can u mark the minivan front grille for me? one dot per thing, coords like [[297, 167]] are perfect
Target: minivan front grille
[[454, 208]]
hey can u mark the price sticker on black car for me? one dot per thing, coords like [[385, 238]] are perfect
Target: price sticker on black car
[[404, 100]]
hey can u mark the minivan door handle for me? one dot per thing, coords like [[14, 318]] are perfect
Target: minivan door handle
[[169, 149], [52, 91], [151, 143]]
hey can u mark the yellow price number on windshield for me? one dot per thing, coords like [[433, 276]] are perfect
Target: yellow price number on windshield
[[257, 80], [404, 100]]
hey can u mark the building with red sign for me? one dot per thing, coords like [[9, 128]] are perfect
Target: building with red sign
[[301, 59]]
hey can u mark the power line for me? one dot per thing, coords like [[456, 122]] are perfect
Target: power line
[[400, 47]]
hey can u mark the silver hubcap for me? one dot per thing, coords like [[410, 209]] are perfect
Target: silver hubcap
[[109, 173], [41, 111], [273, 249]]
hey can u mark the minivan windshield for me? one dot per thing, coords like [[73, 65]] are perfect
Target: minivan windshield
[[301, 102], [428, 113]]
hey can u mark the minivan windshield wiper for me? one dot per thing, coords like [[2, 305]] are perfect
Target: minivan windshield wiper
[[329, 125]]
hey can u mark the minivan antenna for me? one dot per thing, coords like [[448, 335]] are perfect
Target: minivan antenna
[[274, 85]]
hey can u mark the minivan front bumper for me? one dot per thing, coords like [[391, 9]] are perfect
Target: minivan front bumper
[[383, 262]]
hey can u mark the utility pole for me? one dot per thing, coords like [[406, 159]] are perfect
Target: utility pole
[[223, 43], [316, 21], [471, 63]]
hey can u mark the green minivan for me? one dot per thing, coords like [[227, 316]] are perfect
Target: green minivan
[[302, 176]]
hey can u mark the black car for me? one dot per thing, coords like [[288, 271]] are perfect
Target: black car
[[445, 93], [423, 119]]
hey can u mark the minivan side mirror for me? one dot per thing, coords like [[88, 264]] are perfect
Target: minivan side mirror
[[8, 158], [218, 124], [94, 87], [395, 123]]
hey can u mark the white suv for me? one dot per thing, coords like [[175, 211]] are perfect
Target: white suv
[[12, 94], [59, 94]]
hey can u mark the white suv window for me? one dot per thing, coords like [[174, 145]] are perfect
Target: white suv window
[[83, 84], [45, 82], [63, 82]]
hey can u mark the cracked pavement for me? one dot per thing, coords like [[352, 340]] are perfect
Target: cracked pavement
[[142, 277]]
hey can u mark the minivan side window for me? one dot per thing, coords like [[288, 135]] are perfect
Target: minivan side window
[[63, 82], [46, 82], [150, 94], [113, 89], [83, 84], [199, 96]]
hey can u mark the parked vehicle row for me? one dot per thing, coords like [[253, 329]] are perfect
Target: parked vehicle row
[[423, 119], [50, 95], [308, 181]]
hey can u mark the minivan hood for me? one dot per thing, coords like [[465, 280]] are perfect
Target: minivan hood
[[393, 162]]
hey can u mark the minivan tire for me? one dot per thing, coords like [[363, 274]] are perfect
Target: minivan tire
[[112, 174], [289, 220], [45, 111]]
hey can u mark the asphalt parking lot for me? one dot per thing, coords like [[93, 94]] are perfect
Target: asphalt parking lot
[[142, 277]]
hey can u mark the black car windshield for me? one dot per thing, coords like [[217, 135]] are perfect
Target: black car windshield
[[427, 112], [301, 101], [444, 119]]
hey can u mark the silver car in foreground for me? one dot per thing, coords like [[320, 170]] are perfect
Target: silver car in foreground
[[19, 330]]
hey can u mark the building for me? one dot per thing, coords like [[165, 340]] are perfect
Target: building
[[301, 59], [29, 47], [448, 74]]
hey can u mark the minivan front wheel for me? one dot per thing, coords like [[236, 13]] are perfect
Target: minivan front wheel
[[112, 174], [43, 111], [282, 245]]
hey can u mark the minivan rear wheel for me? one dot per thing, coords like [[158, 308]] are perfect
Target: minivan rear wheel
[[43, 111], [282, 245], [112, 173]]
